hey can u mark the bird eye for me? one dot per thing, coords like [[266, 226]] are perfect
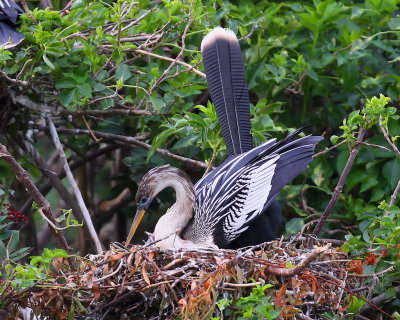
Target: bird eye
[[144, 199]]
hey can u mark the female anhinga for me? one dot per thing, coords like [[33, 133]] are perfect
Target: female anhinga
[[223, 204], [9, 13]]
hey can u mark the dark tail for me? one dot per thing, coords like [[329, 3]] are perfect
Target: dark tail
[[224, 66]]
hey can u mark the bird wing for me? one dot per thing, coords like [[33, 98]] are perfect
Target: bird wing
[[9, 10], [224, 66], [230, 199], [9, 37]]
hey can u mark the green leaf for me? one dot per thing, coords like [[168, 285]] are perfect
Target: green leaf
[[48, 62], [67, 82], [123, 72], [13, 242], [158, 103], [3, 252], [294, 225], [350, 76], [68, 96], [85, 90], [391, 171]]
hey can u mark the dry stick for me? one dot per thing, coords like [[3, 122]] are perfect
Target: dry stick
[[15, 81], [23, 176], [338, 188], [356, 295], [52, 177], [328, 149], [74, 186], [44, 108], [187, 65], [25, 6], [135, 141], [377, 301], [46, 188], [301, 266], [386, 135]]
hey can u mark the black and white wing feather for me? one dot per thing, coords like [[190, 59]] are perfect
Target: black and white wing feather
[[224, 66], [232, 196], [9, 13]]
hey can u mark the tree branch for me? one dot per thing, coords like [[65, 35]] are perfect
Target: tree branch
[[74, 186], [23, 176], [134, 141], [284, 272], [339, 187], [386, 135]]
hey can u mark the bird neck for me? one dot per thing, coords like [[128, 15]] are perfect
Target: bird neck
[[178, 216]]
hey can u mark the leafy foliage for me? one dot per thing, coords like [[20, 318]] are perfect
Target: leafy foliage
[[25, 276], [253, 306], [124, 68]]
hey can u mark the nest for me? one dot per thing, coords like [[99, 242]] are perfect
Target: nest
[[144, 282]]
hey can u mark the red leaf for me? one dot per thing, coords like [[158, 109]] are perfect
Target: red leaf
[[117, 256], [96, 290], [145, 276], [280, 300], [371, 259]]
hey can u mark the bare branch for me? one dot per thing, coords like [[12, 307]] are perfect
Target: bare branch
[[74, 186], [338, 188], [396, 150], [386, 135], [23, 176], [190, 67], [301, 266], [135, 141], [328, 149], [15, 81], [253, 28]]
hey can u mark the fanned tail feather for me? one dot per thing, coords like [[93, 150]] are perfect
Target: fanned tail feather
[[224, 66]]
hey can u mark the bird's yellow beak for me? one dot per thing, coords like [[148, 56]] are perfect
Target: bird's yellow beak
[[136, 221]]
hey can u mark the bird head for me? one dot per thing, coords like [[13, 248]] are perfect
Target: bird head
[[151, 184]]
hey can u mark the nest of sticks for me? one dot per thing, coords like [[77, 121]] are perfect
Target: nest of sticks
[[144, 282]]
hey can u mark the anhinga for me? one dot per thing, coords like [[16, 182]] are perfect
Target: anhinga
[[224, 203], [9, 13]]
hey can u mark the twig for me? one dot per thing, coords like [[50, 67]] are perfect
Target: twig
[[210, 166], [242, 285], [394, 195], [357, 296], [377, 301], [372, 145], [386, 135], [16, 81], [40, 210], [342, 49], [25, 6], [253, 28], [301, 266], [306, 225], [135, 141], [112, 273], [157, 284], [201, 74], [161, 239], [370, 275], [328, 149], [45, 189], [23, 69], [23, 176], [90, 130], [53, 179], [338, 188], [74, 186]]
